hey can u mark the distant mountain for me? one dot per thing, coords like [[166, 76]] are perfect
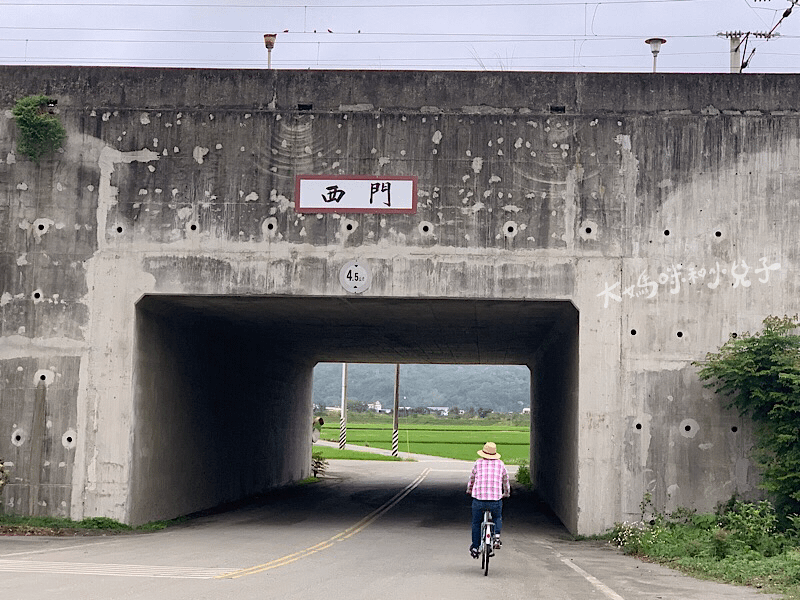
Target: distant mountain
[[499, 388]]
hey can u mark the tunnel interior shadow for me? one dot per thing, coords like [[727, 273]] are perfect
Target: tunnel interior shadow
[[339, 503], [222, 385]]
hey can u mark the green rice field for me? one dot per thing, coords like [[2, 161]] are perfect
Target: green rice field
[[460, 441]]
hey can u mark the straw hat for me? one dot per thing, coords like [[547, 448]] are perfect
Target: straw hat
[[489, 451]]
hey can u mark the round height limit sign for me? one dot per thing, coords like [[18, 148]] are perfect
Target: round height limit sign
[[355, 276]]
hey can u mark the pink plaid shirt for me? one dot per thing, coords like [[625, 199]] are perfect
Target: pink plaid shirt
[[488, 480]]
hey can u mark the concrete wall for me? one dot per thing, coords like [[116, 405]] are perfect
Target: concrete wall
[[555, 418], [216, 417], [662, 207]]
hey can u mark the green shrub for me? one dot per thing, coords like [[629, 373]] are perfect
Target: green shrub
[[319, 463], [760, 376], [523, 476], [705, 522], [752, 526]]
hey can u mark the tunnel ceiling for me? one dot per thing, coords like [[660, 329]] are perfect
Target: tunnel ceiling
[[357, 329]]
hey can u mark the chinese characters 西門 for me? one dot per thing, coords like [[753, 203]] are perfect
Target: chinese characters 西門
[[380, 190], [356, 193]]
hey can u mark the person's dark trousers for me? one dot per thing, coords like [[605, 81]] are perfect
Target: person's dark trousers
[[478, 506]]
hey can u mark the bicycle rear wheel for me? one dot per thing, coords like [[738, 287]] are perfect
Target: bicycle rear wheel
[[486, 547]]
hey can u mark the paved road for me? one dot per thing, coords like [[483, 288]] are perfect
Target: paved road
[[370, 530]]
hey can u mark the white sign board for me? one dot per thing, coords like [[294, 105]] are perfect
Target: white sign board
[[355, 194], [355, 276]]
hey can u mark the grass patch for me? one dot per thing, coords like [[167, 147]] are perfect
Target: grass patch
[[60, 526], [334, 453], [307, 481]]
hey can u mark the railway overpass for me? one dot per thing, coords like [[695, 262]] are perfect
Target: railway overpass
[[171, 276]]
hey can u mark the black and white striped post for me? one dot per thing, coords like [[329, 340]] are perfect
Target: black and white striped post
[[395, 420], [343, 419]]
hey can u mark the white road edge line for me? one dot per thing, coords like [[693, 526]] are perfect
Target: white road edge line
[[609, 593]]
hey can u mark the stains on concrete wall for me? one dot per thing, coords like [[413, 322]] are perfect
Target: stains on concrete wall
[[680, 434], [39, 417], [234, 186]]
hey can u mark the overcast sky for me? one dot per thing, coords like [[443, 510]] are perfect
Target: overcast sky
[[533, 35]]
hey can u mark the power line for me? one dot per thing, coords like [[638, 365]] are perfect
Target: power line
[[327, 34], [514, 59], [359, 6], [532, 38], [324, 39]]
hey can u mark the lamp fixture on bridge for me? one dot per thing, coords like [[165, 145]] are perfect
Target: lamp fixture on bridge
[[655, 48], [269, 42]]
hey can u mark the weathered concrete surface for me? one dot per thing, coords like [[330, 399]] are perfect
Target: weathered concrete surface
[[654, 214]]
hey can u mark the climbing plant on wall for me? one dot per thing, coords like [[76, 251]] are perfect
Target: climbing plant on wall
[[760, 374], [40, 132]]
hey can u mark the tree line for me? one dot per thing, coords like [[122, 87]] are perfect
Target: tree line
[[476, 389]]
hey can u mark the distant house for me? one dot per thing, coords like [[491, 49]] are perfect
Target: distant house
[[376, 406], [526, 411], [333, 409], [440, 410]]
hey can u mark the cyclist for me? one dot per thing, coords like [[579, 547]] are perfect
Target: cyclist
[[316, 429], [488, 485]]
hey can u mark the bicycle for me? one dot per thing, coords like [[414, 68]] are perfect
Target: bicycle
[[486, 549]]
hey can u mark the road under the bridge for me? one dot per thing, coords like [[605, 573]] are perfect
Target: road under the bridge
[[367, 530]]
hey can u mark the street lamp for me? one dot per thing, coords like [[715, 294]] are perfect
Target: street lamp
[[269, 42], [655, 48]]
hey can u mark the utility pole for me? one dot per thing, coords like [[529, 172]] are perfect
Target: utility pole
[[343, 418], [395, 415], [736, 54], [739, 39]]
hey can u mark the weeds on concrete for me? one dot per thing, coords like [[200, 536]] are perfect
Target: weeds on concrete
[[61, 526], [319, 464], [740, 543], [5, 474], [523, 475], [40, 131]]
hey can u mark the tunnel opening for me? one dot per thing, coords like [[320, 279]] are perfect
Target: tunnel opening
[[223, 385], [443, 410]]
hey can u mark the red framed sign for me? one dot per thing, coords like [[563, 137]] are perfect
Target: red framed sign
[[355, 194]]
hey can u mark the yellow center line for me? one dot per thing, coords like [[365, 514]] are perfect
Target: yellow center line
[[339, 537]]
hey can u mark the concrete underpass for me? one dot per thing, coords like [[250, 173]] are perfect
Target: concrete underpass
[[168, 281], [223, 384]]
